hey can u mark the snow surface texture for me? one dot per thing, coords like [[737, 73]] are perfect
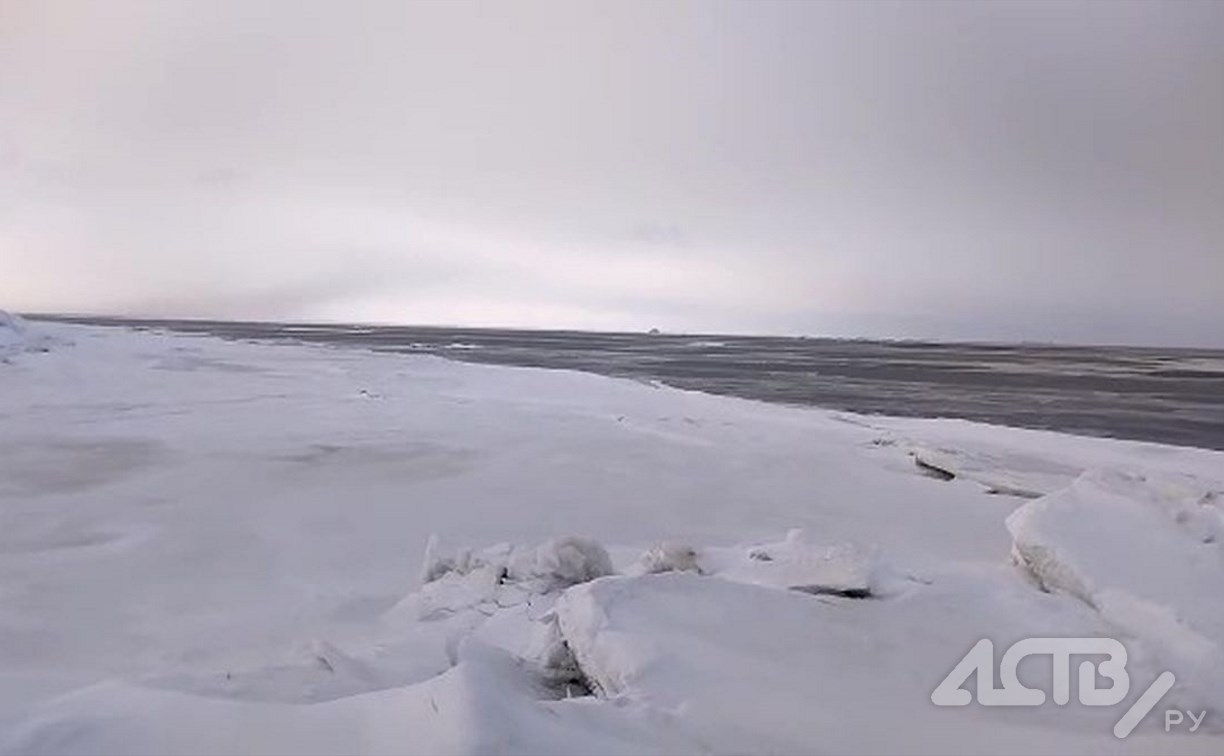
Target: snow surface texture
[[210, 546]]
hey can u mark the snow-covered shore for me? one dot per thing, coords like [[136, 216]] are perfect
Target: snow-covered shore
[[211, 546]]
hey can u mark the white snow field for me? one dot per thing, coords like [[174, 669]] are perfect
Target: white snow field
[[223, 547]]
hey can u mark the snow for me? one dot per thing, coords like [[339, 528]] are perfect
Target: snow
[[843, 569], [671, 642], [668, 556], [503, 575], [211, 546], [484, 704], [1144, 551]]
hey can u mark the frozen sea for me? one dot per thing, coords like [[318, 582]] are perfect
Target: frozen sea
[[1170, 396]]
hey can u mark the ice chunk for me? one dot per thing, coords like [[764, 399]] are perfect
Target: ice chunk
[[505, 575], [17, 336], [1145, 551], [537, 643], [667, 557], [1006, 472], [562, 562], [12, 334], [845, 569], [751, 669], [434, 565]]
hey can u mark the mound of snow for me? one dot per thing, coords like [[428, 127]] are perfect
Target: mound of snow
[[1147, 552]]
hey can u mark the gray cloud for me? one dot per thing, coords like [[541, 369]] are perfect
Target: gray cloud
[[958, 170]]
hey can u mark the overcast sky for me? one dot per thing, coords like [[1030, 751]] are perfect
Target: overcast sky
[[975, 170]]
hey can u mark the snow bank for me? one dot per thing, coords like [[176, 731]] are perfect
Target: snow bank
[[1147, 552]]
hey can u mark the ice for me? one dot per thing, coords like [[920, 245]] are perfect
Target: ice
[[225, 546], [1145, 550], [564, 562], [16, 335], [485, 704], [1000, 472], [667, 556], [845, 569], [824, 676], [505, 575]]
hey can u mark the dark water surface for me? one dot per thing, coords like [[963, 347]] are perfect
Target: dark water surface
[[1173, 396]]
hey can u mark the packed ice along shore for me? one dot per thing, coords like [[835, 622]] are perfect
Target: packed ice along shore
[[227, 547]]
